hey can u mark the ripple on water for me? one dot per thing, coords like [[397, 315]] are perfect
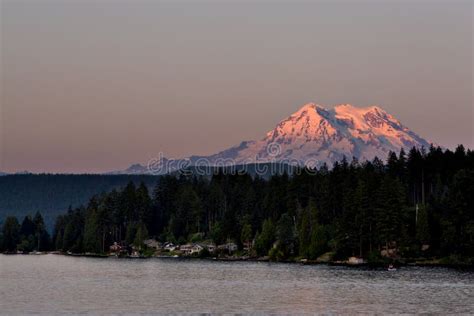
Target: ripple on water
[[53, 284]]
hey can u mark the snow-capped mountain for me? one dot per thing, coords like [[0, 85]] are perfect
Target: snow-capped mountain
[[315, 135]]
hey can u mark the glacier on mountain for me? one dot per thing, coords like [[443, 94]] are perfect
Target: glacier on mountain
[[315, 135]]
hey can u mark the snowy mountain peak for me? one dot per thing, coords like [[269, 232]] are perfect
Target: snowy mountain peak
[[309, 106], [314, 135], [307, 124]]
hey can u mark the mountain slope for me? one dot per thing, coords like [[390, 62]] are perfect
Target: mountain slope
[[315, 135]]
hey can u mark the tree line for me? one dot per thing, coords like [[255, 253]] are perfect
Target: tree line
[[420, 203], [22, 194], [28, 236]]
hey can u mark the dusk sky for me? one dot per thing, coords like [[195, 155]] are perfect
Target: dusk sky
[[92, 86]]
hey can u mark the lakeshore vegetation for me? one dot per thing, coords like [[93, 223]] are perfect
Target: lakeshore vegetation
[[418, 204]]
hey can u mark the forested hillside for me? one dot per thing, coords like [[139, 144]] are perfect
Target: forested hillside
[[419, 204], [52, 194]]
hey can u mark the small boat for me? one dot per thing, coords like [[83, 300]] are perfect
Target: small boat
[[391, 267], [37, 253]]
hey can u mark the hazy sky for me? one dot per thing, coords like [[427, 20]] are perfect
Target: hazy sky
[[89, 86]]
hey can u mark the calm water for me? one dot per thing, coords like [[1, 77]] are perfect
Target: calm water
[[53, 284]]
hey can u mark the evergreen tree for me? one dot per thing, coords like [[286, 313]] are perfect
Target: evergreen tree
[[422, 226], [92, 242], [27, 235], [131, 234], [286, 235], [144, 208], [304, 233], [27, 227], [246, 235], [390, 204], [266, 238], [319, 241], [140, 236], [41, 234], [11, 234]]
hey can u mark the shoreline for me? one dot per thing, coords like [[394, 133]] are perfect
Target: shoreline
[[433, 263]]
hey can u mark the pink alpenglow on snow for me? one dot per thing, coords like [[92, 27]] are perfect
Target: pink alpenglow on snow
[[320, 135], [315, 135]]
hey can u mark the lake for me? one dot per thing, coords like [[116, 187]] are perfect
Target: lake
[[55, 284]]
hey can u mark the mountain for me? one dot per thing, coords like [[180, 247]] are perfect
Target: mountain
[[133, 169], [315, 135], [17, 173]]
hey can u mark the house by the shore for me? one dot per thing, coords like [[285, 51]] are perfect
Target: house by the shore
[[190, 249]]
